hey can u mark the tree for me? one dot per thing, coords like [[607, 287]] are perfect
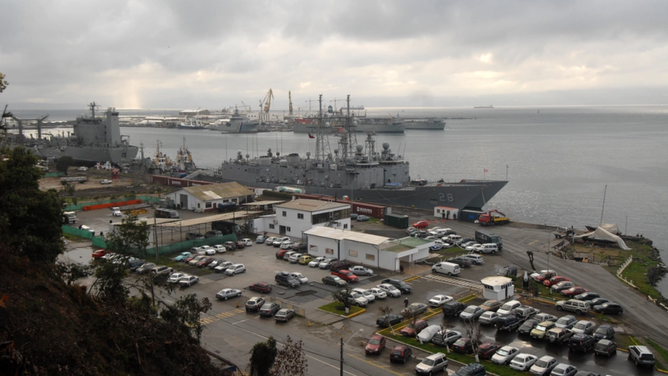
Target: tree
[[3, 83], [262, 358], [291, 360], [386, 311], [343, 296], [185, 314], [474, 332], [63, 163], [30, 219], [410, 315]]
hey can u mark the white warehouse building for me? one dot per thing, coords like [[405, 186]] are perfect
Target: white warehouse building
[[365, 249], [295, 217]]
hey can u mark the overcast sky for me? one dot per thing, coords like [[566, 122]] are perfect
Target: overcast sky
[[212, 54]]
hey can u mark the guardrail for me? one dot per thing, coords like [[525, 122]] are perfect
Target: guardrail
[[621, 270]]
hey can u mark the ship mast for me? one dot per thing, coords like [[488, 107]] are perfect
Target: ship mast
[[321, 139]]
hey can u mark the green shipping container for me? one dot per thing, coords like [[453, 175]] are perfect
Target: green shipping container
[[398, 221]]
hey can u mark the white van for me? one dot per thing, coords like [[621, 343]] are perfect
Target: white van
[[489, 248], [508, 307], [454, 239], [445, 268]]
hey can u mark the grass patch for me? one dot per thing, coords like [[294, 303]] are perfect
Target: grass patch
[[623, 341], [662, 353], [636, 273], [338, 309]]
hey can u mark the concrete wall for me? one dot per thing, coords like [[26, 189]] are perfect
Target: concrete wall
[[357, 253], [317, 246]]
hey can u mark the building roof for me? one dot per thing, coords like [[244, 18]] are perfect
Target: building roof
[[209, 219], [495, 281], [258, 203], [312, 205], [218, 191], [338, 234]]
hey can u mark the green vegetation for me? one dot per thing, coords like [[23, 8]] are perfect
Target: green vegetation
[[623, 341], [337, 308]]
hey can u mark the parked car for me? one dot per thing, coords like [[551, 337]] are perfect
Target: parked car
[[400, 353], [527, 326], [181, 256], [346, 275], [213, 233], [300, 277], [432, 364], [260, 239], [247, 242], [223, 266], [554, 280], [278, 241], [325, 264], [523, 361], [220, 248], [269, 309], [543, 366], [205, 261], [487, 350], [240, 244], [641, 356], [507, 323], [508, 307], [285, 279], [316, 261], [540, 331], [262, 287], [293, 258], [188, 281], [235, 269], [463, 346], [439, 300], [487, 318], [280, 254], [446, 337], [225, 294], [581, 342], [194, 236], [287, 244], [305, 259], [415, 309], [334, 281], [421, 224], [584, 327], [471, 369], [361, 270], [338, 265], [605, 347], [368, 295], [362, 218], [575, 290], [160, 270], [567, 321], [573, 305], [563, 369], [609, 308], [145, 268], [411, 330], [105, 181], [215, 263], [475, 259], [230, 245], [254, 304], [471, 312], [378, 293], [404, 287], [525, 312], [175, 277], [385, 321], [390, 290], [604, 332], [559, 335], [375, 345], [597, 301], [285, 314], [197, 259], [270, 240], [299, 246], [587, 296], [101, 252], [545, 317], [357, 299], [491, 305], [563, 285], [453, 308], [505, 354]]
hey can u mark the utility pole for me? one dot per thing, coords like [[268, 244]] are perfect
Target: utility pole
[[603, 208], [341, 363]]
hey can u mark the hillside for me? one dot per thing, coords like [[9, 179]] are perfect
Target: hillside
[[58, 329]]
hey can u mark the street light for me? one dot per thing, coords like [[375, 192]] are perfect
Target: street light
[[343, 343]]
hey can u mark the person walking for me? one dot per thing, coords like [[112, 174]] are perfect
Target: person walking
[[406, 303], [401, 269]]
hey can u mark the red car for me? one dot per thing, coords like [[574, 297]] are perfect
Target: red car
[[543, 277], [188, 259], [487, 350], [421, 224], [346, 275], [99, 253], [574, 291], [409, 331], [240, 244], [400, 353], [280, 253], [554, 280], [262, 287], [376, 345], [205, 261]]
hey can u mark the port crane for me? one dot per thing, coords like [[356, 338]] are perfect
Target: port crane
[[290, 103], [266, 101], [493, 217]]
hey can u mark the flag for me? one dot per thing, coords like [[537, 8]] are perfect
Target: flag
[[486, 170], [311, 136]]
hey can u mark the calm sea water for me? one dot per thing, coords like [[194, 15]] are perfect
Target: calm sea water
[[558, 160]]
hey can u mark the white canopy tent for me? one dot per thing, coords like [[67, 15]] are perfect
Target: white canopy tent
[[602, 234]]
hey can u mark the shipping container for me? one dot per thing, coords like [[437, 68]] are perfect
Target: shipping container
[[482, 237], [398, 221], [370, 210], [467, 215]]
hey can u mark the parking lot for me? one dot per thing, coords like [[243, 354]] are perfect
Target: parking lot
[[262, 265]]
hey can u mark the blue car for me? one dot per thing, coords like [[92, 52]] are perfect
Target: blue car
[[182, 256]]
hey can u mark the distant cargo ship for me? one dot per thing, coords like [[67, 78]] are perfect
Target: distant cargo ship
[[490, 106]]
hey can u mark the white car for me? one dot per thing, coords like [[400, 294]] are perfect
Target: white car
[[287, 244], [358, 299], [82, 168], [368, 295], [116, 211], [300, 277], [209, 250], [235, 269], [390, 290], [325, 263], [278, 241], [247, 242], [316, 261], [260, 239], [225, 294], [505, 354], [223, 266], [543, 366], [220, 248], [105, 181], [471, 312], [523, 361], [475, 248], [439, 300], [294, 257], [188, 280], [487, 317], [176, 277], [378, 293], [360, 270], [270, 240]]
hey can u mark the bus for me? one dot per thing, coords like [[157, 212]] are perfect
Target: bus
[[166, 213], [482, 237]]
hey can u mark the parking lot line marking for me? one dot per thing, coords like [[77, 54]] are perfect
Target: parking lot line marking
[[220, 316], [239, 322], [383, 367]]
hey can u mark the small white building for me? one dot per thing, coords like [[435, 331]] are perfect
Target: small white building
[[444, 212], [294, 217], [205, 198], [365, 249], [498, 288]]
